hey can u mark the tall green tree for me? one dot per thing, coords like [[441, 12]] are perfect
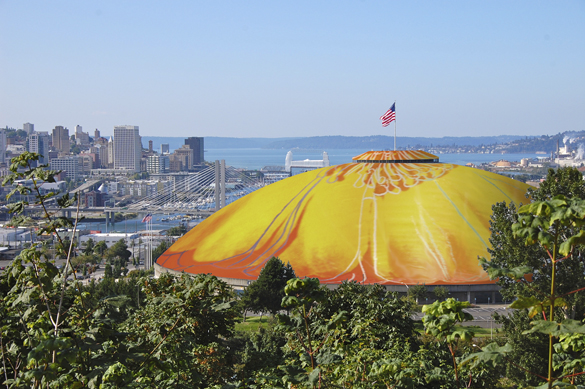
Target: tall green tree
[[119, 250], [508, 250], [557, 226], [266, 293], [100, 248], [89, 245]]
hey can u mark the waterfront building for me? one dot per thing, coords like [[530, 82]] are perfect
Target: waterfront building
[[127, 148], [110, 238], [306, 164], [142, 188], [164, 148], [94, 199], [274, 174], [196, 144], [184, 155]]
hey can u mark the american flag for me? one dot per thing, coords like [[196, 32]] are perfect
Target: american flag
[[147, 218], [389, 116]]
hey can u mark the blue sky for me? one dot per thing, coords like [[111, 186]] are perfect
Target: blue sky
[[294, 68]]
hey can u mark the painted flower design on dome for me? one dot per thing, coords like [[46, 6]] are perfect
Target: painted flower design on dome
[[391, 218], [391, 178]]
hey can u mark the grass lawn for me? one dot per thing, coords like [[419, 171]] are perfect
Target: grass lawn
[[253, 323]]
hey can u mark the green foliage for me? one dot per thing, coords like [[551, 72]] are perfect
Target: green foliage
[[89, 245], [441, 292], [179, 230], [100, 248], [566, 181], [119, 250], [439, 321], [418, 292], [266, 293], [159, 250], [555, 226], [140, 332]]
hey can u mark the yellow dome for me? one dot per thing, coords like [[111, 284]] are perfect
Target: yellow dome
[[376, 222]]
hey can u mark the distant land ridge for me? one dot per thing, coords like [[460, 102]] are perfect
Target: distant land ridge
[[385, 142], [513, 143]]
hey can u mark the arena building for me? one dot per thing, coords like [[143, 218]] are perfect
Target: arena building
[[396, 218]]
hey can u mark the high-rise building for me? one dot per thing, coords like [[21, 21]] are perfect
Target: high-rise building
[[196, 144], [29, 128], [61, 140], [81, 138], [2, 145], [127, 148], [38, 142], [164, 148], [158, 164], [102, 152], [185, 155], [96, 135], [110, 150]]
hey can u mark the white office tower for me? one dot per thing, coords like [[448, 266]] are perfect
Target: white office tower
[[127, 148], [38, 142], [2, 145], [157, 164], [29, 128]]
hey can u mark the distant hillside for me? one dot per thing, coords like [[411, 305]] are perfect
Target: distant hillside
[[385, 142], [508, 143]]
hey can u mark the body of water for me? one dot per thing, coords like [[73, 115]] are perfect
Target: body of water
[[135, 224], [255, 159]]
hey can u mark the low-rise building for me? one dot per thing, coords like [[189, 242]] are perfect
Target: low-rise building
[[70, 165]]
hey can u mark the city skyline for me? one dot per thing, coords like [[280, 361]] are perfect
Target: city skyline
[[263, 69]]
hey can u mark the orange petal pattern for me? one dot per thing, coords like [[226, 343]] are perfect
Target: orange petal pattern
[[388, 223]]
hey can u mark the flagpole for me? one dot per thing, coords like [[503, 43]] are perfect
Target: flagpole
[[394, 125]]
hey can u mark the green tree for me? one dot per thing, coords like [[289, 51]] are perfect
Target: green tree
[[266, 293], [119, 250], [55, 333], [567, 181], [159, 250], [556, 225], [509, 250], [100, 248], [441, 292], [440, 320], [108, 272], [182, 329], [418, 292], [89, 245], [179, 230]]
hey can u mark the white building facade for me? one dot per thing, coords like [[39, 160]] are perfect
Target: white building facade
[[127, 148]]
